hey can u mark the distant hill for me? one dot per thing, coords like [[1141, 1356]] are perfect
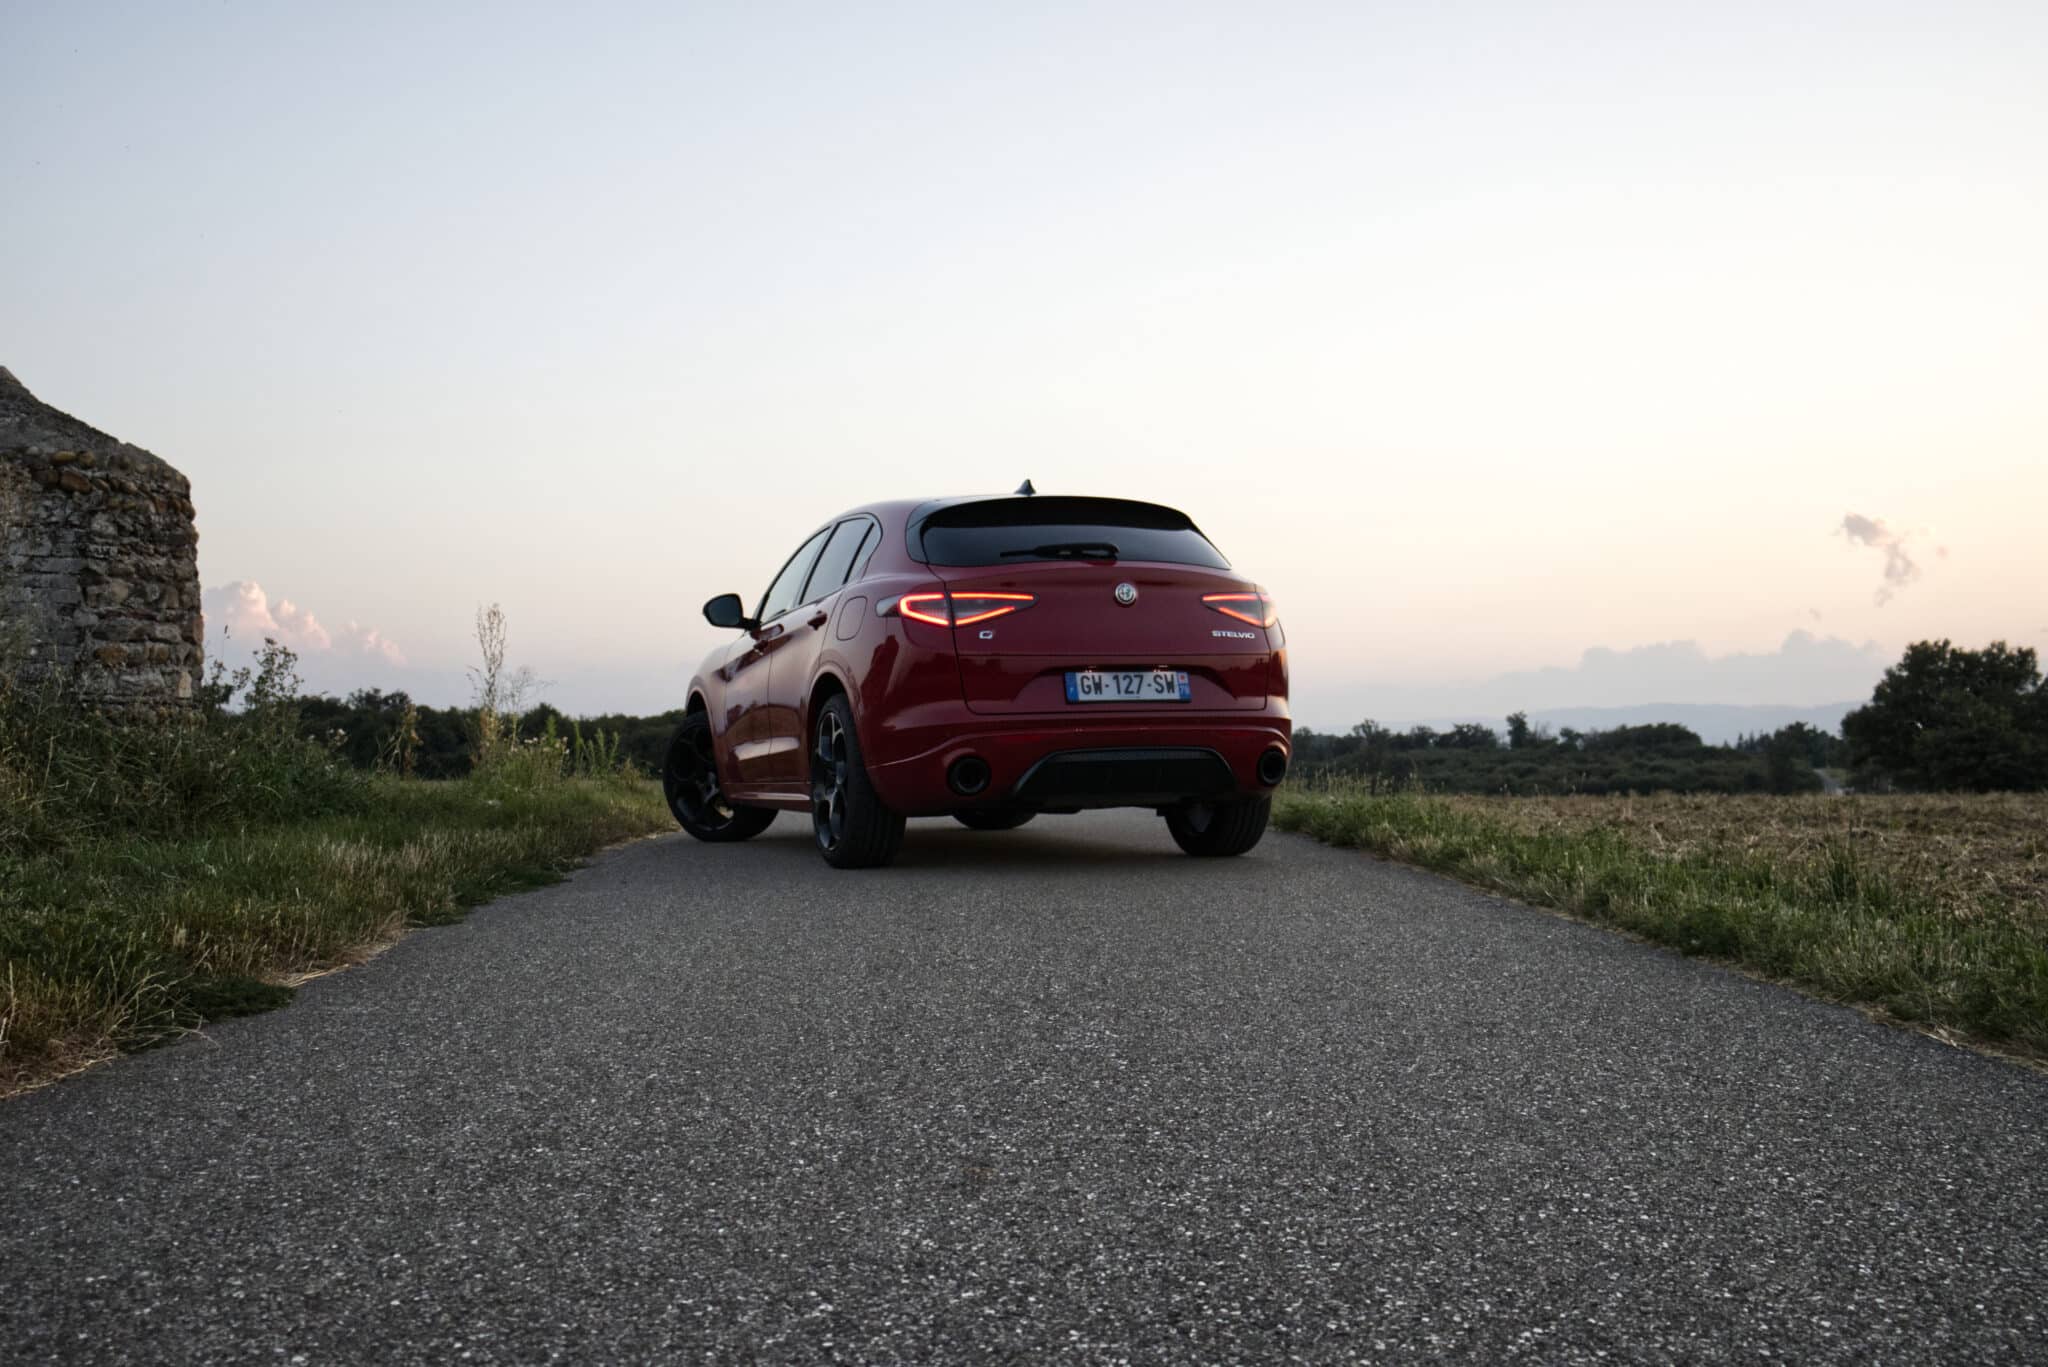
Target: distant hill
[[1716, 723]]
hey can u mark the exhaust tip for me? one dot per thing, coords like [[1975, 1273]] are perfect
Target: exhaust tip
[[1272, 766], [968, 775]]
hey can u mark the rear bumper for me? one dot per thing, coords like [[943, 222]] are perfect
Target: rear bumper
[[1061, 763]]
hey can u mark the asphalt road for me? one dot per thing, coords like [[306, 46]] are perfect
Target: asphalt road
[[1059, 1093]]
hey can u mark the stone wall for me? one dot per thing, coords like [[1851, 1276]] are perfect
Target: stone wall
[[99, 568]]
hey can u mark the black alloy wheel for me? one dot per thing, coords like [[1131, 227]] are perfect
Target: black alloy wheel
[[1219, 829], [853, 829], [992, 818], [689, 780]]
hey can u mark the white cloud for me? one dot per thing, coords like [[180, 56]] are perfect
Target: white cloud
[[241, 616], [242, 610], [369, 641]]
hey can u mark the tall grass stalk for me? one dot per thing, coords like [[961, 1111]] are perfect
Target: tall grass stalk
[[500, 693]]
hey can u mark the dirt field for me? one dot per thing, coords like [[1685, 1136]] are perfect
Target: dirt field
[[1968, 855]]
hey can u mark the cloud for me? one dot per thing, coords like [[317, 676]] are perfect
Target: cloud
[[1900, 569], [1804, 669], [371, 642], [245, 611]]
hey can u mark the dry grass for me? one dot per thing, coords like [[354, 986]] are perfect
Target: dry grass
[[155, 878], [1929, 910], [114, 943], [1967, 856]]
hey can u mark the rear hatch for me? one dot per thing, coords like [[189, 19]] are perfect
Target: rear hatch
[[1058, 552]]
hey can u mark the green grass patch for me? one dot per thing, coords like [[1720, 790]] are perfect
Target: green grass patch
[[113, 940], [1838, 913]]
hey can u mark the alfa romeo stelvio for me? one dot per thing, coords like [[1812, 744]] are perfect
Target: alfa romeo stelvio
[[989, 659]]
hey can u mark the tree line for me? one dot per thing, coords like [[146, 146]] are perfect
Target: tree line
[[1530, 760], [373, 729], [1942, 719]]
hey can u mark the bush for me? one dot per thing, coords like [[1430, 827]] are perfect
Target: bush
[[69, 773]]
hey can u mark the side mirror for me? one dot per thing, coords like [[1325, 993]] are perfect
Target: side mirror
[[727, 611]]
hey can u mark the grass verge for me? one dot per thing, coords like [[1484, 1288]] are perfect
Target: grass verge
[[116, 941], [1851, 899]]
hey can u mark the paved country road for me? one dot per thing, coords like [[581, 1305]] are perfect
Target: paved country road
[[1055, 1093]]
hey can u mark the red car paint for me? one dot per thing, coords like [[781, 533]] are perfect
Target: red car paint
[[925, 695]]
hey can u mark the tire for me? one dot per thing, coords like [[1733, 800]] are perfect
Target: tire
[[1221, 829], [992, 819], [689, 780], [852, 827]]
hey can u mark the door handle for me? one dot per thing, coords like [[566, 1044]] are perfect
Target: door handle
[[820, 617]]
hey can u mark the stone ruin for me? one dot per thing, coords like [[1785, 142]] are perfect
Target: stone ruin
[[99, 562]]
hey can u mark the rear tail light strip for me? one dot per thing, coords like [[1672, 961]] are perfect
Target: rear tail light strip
[[941, 609], [1255, 608], [961, 609]]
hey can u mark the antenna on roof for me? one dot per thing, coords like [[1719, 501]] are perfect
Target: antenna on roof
[[1025, 489]]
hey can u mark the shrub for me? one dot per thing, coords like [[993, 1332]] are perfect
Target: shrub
[[69, 772]]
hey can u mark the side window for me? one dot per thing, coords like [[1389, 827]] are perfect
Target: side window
[[867, 553], [837, 558], [781, 595]]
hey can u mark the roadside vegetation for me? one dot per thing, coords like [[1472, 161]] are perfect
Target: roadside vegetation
[[157, 877], [1942, 719], [1661, 757], [1928, 909], [366, 728]]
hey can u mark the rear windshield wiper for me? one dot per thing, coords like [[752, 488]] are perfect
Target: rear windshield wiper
[[1056, 550]]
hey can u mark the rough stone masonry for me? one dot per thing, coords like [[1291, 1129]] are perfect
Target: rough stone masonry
[[99, 561]]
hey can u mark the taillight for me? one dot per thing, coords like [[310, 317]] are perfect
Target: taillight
[[961, 609], [969, 608], [1255, 608], [925, 607]]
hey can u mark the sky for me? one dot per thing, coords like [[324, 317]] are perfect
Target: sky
[[1618, 353]]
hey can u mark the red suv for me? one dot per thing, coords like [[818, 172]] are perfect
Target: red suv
[[989, 659]]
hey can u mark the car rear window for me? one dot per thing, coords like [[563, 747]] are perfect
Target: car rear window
[[1011, 531]]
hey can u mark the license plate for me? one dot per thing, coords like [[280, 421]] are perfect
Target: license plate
[[1127, 685]]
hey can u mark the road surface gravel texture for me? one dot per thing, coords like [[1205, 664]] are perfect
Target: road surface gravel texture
[[1062, 1094]]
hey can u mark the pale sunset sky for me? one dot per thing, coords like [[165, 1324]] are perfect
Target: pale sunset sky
[[1710, 339]]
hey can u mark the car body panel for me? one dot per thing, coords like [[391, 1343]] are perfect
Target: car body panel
[[790, 674], [1018, 662], [924, 695]]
